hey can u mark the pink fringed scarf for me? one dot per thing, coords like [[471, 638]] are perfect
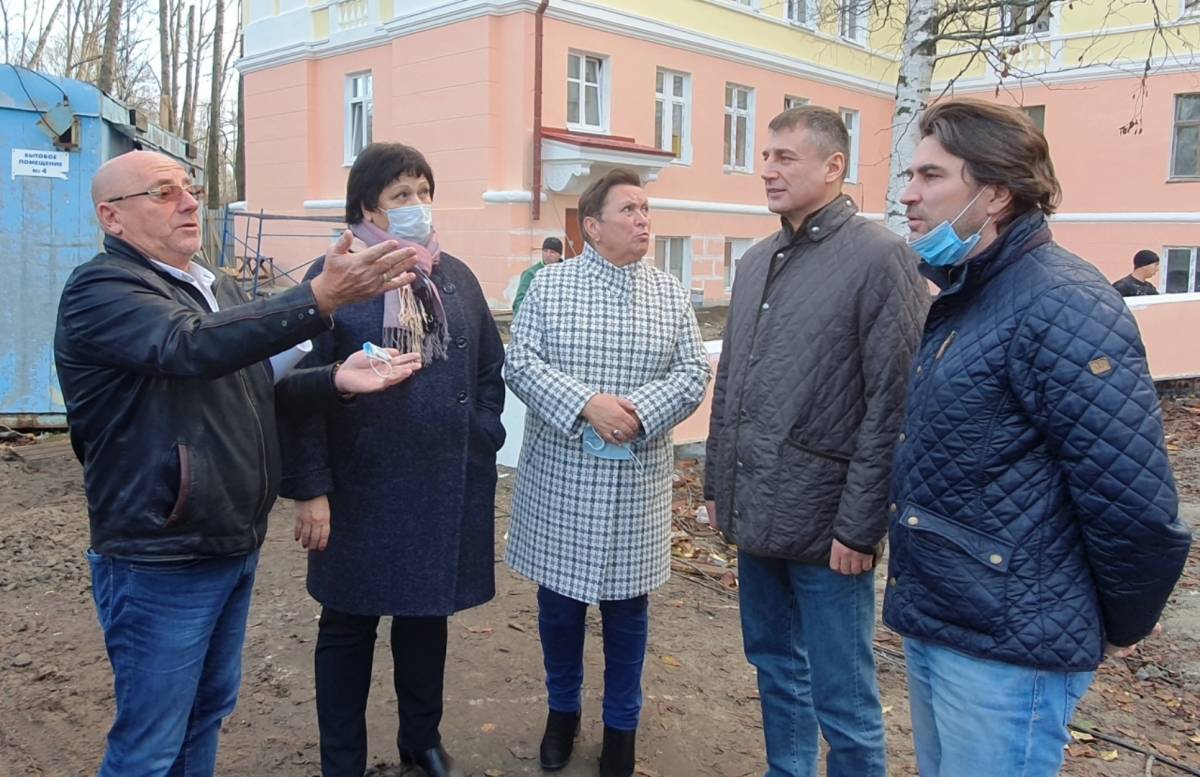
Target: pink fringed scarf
[[414, 319]]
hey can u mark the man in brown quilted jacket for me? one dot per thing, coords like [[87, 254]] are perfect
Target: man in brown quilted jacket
[[825, 317]]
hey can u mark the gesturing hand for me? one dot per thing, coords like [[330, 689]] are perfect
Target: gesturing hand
[[347, 278], [361, 375], [613, 417]]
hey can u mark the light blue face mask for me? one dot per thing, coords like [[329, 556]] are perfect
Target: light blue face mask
[[411, 222], [941, 246], [594, 444]]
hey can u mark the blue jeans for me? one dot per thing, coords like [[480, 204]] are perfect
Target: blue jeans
[[626, 624], [807, 630], [174, 634], [1023, 711]]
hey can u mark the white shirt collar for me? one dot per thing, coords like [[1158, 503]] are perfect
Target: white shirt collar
[[196, 275]]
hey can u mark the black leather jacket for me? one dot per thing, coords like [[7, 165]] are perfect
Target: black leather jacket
[[171, 407]]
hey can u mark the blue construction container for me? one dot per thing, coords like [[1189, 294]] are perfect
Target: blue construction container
[[56, 132]]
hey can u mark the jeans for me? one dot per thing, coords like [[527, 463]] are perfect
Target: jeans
[[174, 634], [807, 630], [987, 718], [626, 624], [345, 649]]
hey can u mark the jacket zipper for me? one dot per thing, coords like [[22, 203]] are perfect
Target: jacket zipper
[[262, 450]]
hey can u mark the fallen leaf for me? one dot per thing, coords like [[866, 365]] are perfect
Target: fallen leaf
[[887, 709], [1111, 755], [1081, 736], [1195, 740], [488, 728], [670, 661], [516, 627], [479, 629]]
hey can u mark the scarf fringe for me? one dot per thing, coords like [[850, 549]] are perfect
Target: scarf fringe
[[415, 329]]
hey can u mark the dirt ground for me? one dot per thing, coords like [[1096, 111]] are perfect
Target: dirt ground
[[701, 715]]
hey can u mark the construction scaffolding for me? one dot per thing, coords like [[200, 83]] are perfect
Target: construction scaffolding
[[245, 245]]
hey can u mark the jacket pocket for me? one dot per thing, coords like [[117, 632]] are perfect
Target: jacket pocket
[[962, 572], [185, 486], [807, 490]]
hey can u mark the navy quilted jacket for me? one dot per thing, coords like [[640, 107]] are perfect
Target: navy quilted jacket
[[1034, 513]]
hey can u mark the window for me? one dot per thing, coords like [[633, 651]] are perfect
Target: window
[[1036, 114], [850, 119], [739, 127], [791, 101], [671, 256], [1185, 151], [853, 19], [360, 113], [734, 248], [673, 113], [803, 12], [1190, 8], [586, 89], [1181, 275], [752, 4], [1025, 18]]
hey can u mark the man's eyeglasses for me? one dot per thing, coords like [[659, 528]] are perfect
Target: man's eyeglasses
[[168, 192]]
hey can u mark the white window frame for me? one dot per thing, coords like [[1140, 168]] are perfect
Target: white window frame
[[808, 9], [1008, 22], [853, 121], [749, 5], [794, 101], [668, 100], [732, 113], [735, 248], [1171, 176], [602, 90], [854, 21], [1185, 11], [1193, 268], [367, 101], [664, 263]]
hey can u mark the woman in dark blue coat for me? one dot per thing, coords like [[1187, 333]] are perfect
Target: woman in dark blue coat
[[395, 492]]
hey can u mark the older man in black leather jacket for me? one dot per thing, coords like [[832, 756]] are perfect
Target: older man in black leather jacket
[[171, 404]]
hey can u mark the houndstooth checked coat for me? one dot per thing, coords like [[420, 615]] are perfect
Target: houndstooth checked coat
[[584, 527]]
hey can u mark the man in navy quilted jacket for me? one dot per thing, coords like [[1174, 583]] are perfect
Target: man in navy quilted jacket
[[1034, 515]]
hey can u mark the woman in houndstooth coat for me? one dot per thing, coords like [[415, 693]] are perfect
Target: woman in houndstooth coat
[[609, 341]]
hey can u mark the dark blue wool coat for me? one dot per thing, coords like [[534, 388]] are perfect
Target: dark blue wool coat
[[410, 472]]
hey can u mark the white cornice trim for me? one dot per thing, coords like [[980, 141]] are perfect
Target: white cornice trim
[[584, 14], [1133, 68], [515, 196], [510, 196], [1145, 217]]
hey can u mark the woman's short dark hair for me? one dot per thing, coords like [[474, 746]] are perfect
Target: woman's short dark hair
[[999, 145], [377, 167], [591, 202]]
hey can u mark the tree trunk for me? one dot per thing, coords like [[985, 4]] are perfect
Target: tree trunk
[[35, 60], [239, 156], [176, 29], [108, 58], [166, 110], [189, 97], [913, 83], [212, 165]]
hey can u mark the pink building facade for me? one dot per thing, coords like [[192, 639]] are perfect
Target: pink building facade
[[686, 103]]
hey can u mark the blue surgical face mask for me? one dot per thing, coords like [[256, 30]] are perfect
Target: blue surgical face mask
[[411, 222], [594, 444], [941, 246]]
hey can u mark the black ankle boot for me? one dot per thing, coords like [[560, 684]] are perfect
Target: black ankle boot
[[436, 762], [559, 739], [618, 754]]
